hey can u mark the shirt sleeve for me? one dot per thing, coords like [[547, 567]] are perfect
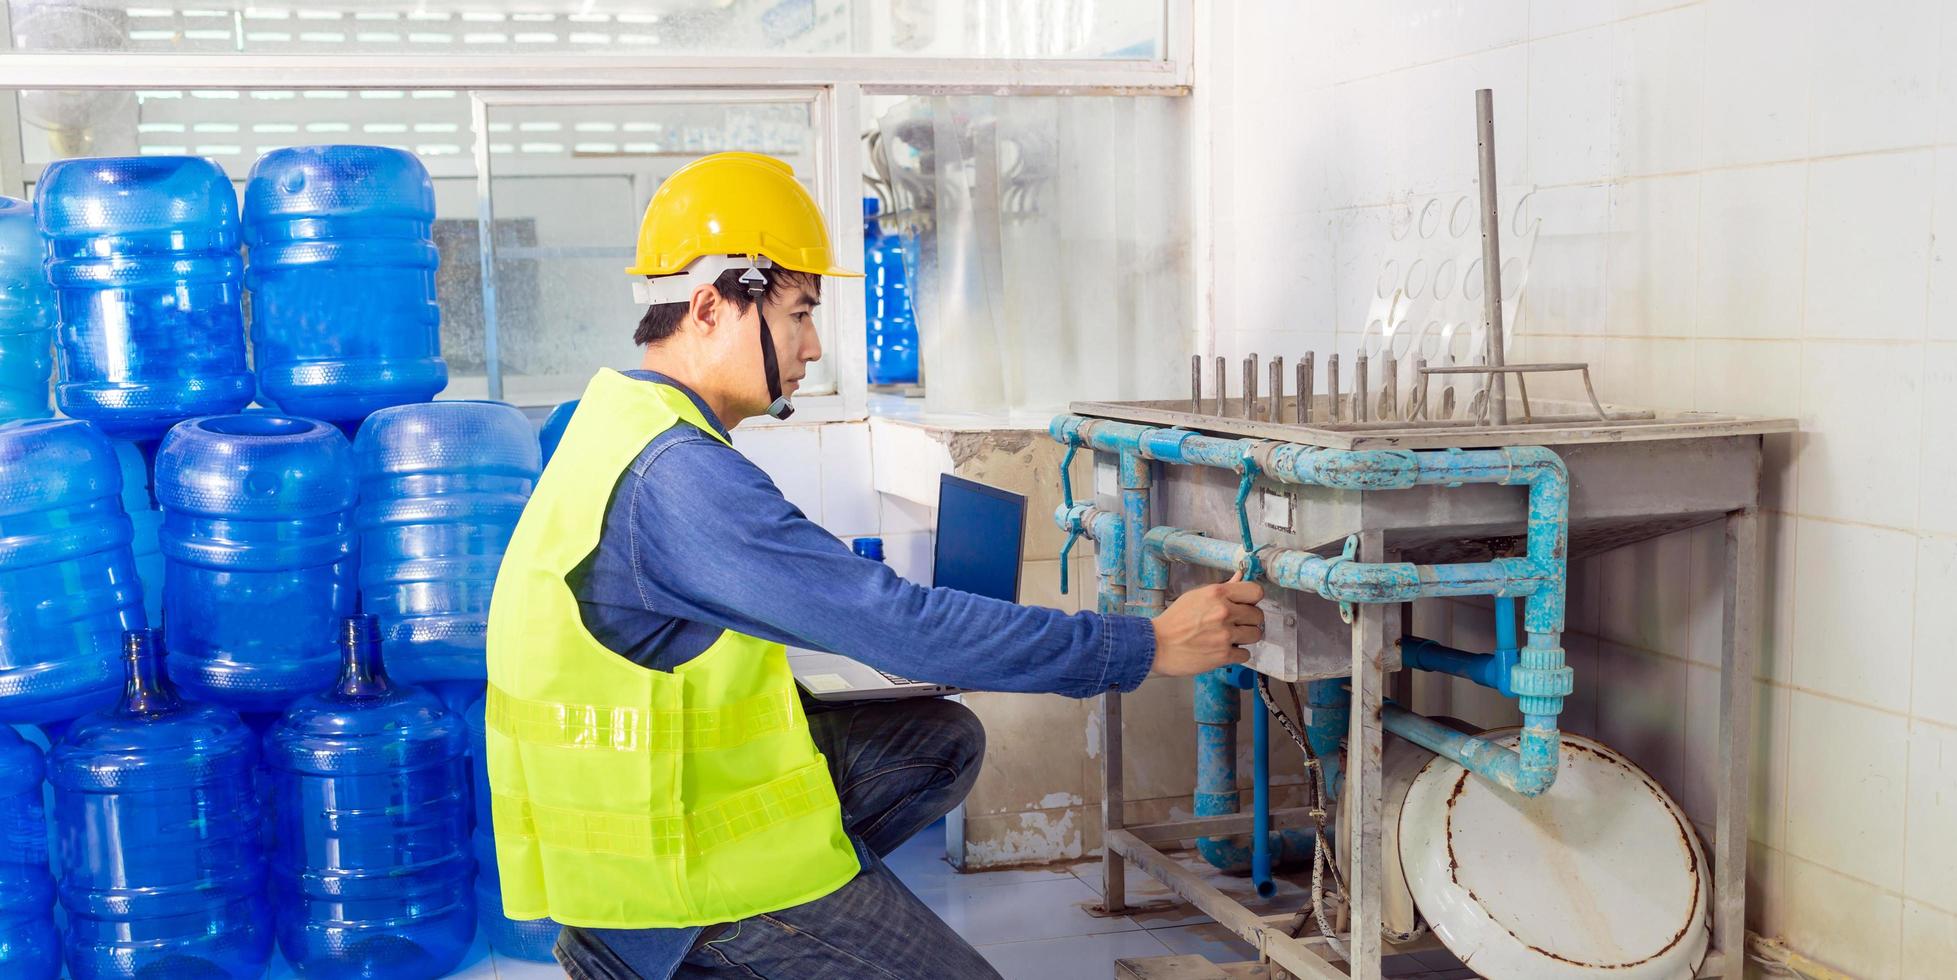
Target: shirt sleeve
[[715, 541]]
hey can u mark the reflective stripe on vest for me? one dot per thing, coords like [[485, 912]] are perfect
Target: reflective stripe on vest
[[630, 798]]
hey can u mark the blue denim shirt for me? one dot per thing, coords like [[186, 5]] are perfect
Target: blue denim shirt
[[697, 540]]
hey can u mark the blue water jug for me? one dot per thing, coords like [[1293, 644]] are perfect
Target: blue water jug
[[157, 824], [29, 947], [370, 787], [26, 315], [441, 487], [258, 555], [887, 304], [146, 521], [68, 585], [553, 431], [143, 257], [525, 939], [342, 277]]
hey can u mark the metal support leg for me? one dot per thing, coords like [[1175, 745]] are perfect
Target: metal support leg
[[1363, 761], [1114, 875], [1739, 647]]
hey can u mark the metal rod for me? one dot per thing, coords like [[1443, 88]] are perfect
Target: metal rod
[[1304, 388], [1195, 384], [1361, 412], [1389, 387], [1491, 251], [1508, 368], [1420, 386], [1276, 413], [1332, 383], [1222, 384], [1250, 387], [1522, 386]]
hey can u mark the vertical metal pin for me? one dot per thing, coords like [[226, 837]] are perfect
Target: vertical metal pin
[[1195, 384], [1250, 387], [1332, 383], [1304, 388], [1361, 412], [1222, 386], [1420, 385], [1389, 387], [1276, 413]]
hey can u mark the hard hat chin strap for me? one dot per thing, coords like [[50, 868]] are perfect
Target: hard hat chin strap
[[757, 290]]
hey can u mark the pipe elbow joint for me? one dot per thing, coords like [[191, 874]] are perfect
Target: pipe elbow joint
[[1529, 464]]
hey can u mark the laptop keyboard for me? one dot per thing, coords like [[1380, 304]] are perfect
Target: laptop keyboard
[[894, 679]]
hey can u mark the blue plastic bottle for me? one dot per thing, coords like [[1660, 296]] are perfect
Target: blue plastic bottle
[[871, 548], [157, 824], [370, 785], [887, 304], [554, 426], [525, 939], [68, 585], [146, 520], [342, 277], [29, 947], [441, 487], [143, 256], [258, 556], [26, 315]]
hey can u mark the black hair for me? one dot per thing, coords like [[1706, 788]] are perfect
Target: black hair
[[663, 320]]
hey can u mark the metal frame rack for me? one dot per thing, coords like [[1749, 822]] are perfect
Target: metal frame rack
[[1412, 501]]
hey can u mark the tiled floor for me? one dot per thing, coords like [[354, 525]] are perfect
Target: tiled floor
[[1031, 924]]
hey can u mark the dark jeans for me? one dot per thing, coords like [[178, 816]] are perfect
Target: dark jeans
[[898, 767]]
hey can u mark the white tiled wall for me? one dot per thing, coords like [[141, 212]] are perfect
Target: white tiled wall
[[1747, 205], [826, 471]]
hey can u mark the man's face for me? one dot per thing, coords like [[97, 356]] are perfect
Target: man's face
[[791, 321]]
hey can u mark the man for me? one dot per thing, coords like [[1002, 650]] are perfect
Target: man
[[656, 784]]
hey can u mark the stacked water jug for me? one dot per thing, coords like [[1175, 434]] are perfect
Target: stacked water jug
[[267, 779]]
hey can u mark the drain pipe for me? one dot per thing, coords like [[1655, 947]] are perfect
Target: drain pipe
[[1218, 709]]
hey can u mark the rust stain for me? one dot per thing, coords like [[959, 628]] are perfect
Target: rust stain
[[1680, 832]]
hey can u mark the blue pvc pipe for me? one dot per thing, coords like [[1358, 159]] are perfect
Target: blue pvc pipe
[[1529, 770], [1218, 710], [1260, 803]]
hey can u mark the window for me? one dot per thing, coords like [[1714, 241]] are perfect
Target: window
[[544, 153]]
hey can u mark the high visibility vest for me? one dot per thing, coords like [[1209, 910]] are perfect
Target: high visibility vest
[[631, 798]]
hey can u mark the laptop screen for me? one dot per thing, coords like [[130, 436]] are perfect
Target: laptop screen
[[978, 544]]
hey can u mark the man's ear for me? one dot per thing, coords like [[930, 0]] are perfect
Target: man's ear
[[704, 305]]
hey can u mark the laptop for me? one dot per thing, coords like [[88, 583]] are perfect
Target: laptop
[[977, 549]]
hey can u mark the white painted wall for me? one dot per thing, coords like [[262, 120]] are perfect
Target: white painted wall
[[1744, 207]]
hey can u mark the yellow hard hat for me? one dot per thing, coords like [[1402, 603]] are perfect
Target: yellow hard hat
[[734, 204]]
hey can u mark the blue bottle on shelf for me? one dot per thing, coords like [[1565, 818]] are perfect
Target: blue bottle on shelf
[[68, 585], [370, 788], [342, 278], [143, 257], [887, 304], [157, 823], [441, 488], [29, 947], [525, 939], [553, 431], [258, 555], [26, 315]]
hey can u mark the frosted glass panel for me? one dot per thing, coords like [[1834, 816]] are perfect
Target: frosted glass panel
[[1054, 247]]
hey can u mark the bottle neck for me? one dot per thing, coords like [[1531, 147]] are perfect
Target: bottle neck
[[362, 675], [146, 691]]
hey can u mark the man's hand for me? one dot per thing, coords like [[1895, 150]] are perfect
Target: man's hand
[[1207, 628]]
